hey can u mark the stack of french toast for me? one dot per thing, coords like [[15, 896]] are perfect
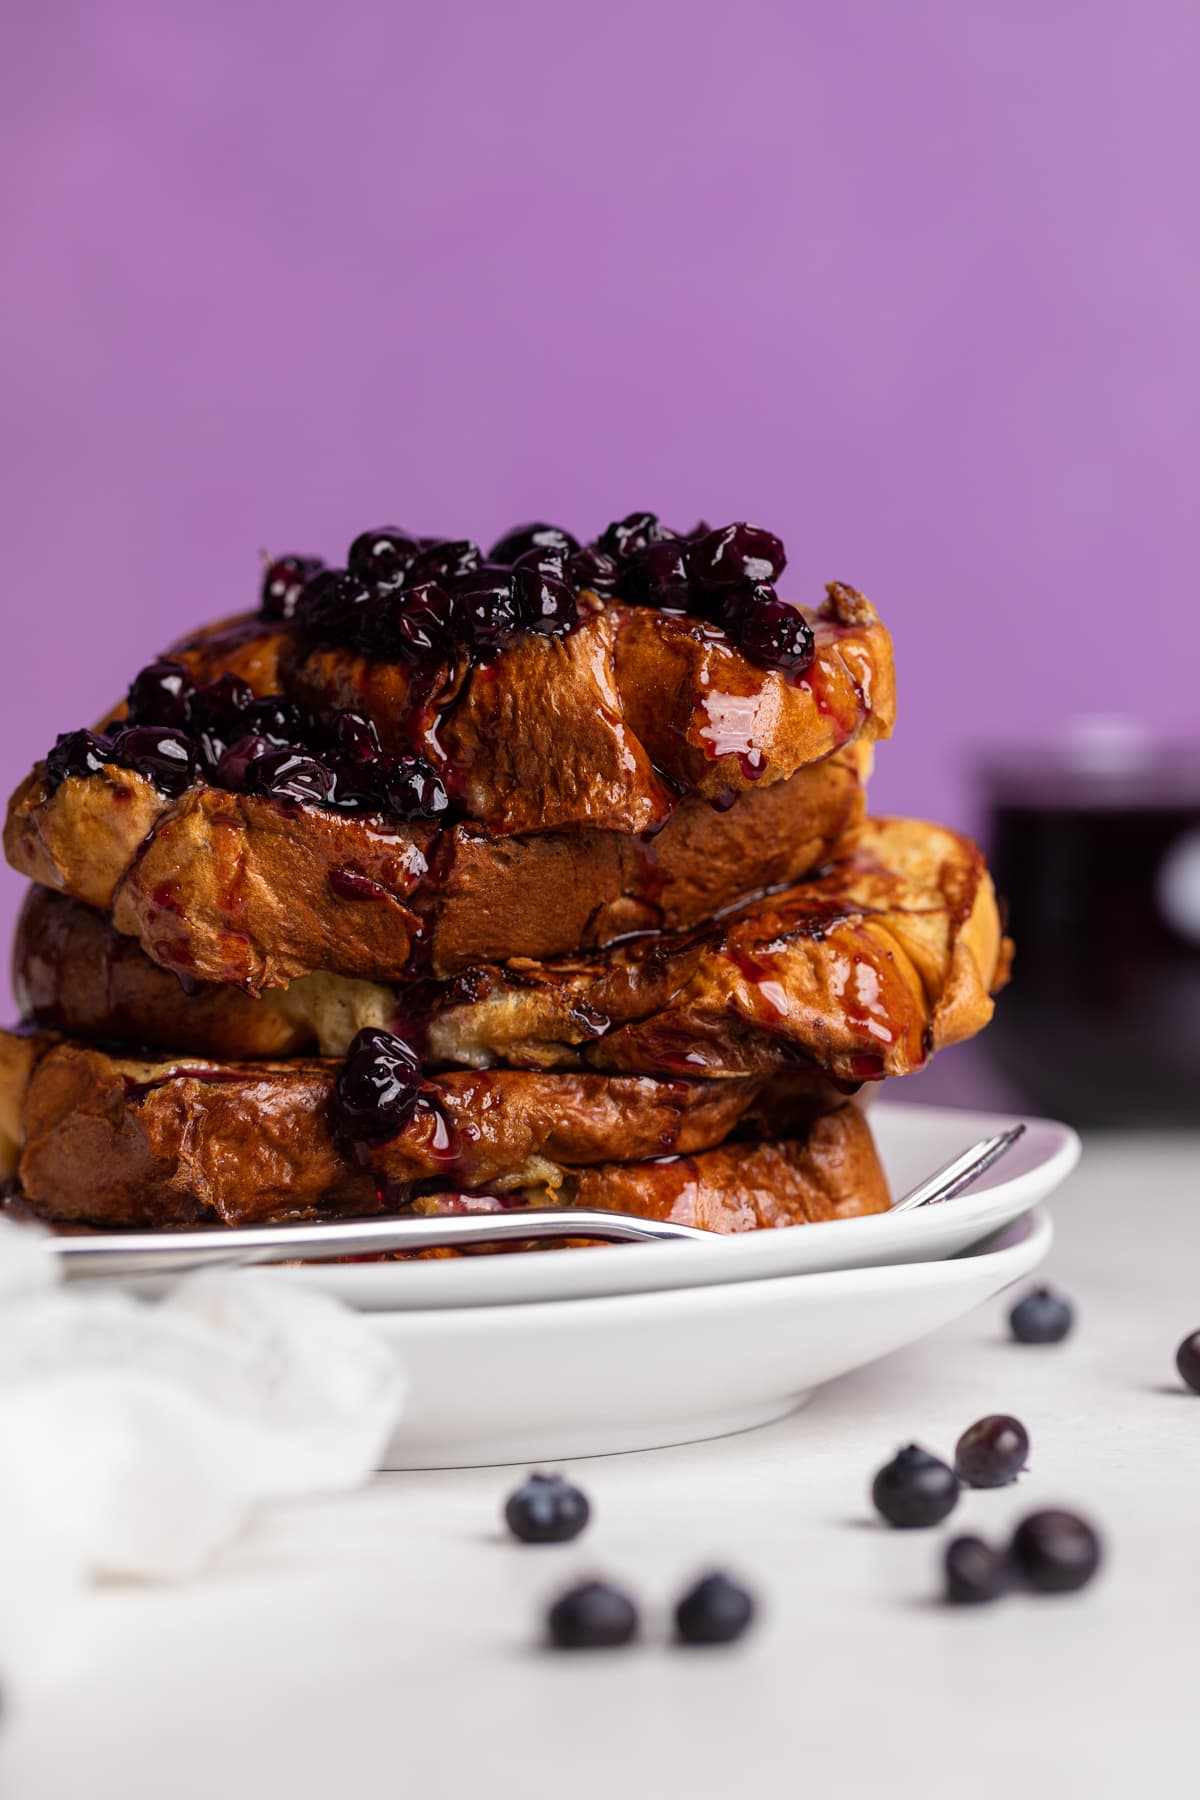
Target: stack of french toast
[[449, 881]]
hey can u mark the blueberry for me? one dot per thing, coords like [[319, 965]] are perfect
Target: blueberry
[[592, 1617], [975, 1573], [487, 607], [275, 717], [283, 582], [991, 1452], [1187, 1360], [377, 1088], [409, 787], [767, 630], [160, 695], [221, 707], [915, 1489], [163, 755], [532, 539], [546, 1509], [423, 626], [715, 1611], [593, 569], [356, 737], [1055, 1552], [334, 607], [625, 537], [735, 556], [289, 775], [382, 558], [76, 753], [545, 604], [444, 560], [234, 764], [1042, 1317], [658, 576]]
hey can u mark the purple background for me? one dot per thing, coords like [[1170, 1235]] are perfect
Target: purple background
[[914, 285]]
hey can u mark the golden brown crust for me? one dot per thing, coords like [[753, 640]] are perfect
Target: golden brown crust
[[231, 888], [603, 728], [833, 1172], [890, 953], [122, 1141]]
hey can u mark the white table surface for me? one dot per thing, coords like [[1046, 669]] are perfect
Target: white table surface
[[389, 1644]]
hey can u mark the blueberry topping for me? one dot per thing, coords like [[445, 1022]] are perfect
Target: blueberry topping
[[423, 623], [915, 1489], [334, 607], [592, 1617], [76, 753], [715, 1611], [444, 561], [219, 714], [1187, 1360], [736, 556], [658, 576], [382, 558], [355, 735], [277, 718], [487, 607], [528, 540], [546, 1509], [234, 763], [975, 1573], [160, 695], [593, 569], [1055, 1552], [992, 1452], [625, 537], [1042, 1317], [284, 580], [544, 603], [408, 787], [163, 755], [377, 1088], [289, 775], [770, 631]]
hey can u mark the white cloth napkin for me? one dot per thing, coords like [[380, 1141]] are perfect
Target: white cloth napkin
[[136, 1436]]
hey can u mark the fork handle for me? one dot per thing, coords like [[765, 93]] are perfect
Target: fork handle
[[171, 1253]]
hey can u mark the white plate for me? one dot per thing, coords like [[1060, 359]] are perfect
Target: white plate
[[569, 1378], [913, 1141]]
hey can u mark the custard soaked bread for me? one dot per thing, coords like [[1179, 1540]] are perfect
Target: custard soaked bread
[[459, 880], [106, 1140], [250, 890], [889, 952]]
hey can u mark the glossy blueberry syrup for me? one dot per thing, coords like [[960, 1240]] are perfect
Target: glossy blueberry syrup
[[421, 600]]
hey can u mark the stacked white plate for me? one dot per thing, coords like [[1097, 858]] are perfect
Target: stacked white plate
[[535, 1356]]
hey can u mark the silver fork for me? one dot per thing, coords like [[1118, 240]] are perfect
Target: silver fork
[[172, 1252]]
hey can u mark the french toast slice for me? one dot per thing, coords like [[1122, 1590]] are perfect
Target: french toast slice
[[100, 1139], [238, 888], [605, 727], [890, 952]]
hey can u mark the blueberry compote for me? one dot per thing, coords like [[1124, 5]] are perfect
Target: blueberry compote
[[176, 732], [432, 601], [377, 1090]]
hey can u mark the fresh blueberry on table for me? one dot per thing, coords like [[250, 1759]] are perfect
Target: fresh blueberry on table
[[715, 1611], [1042, 1317], [1055, 1552], [546, 1509], [594, 1616], [1187, 1360], [975, 1573], [915, 1489], [991, 1452]]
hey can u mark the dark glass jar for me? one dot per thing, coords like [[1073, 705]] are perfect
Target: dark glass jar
[[1095, 847]]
